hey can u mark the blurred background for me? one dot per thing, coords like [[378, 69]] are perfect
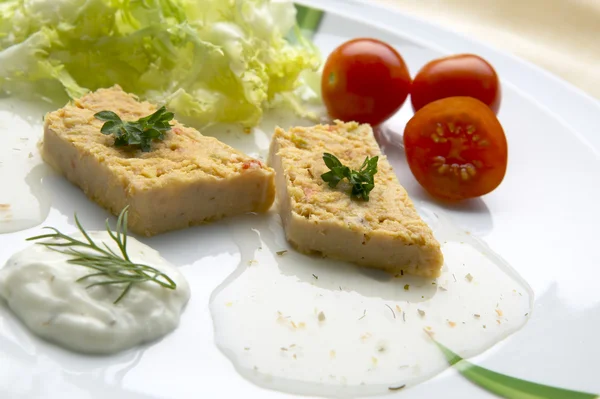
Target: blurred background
[[562, 36]]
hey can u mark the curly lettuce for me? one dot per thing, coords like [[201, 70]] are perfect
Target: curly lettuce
[[211, 60]]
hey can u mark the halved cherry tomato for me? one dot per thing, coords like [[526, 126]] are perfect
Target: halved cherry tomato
[[456, 75], [364, 80], [456, 148]]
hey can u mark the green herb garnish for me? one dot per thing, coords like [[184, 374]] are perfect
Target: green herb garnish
[[397, 388], [111, 268], [140, 132], [362, 180], [505, 386]]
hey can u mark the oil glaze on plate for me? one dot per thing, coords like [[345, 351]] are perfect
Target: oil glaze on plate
[[303, 325]]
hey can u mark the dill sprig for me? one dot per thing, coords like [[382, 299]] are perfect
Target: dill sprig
[[115, 269]]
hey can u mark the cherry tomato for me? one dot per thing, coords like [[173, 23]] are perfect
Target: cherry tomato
[[364, 80], [457, 75], [456, 148]]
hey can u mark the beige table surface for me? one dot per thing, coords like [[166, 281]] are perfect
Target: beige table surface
[[562, 36]]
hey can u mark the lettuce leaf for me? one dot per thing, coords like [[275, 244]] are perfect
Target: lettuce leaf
[[211, 60]]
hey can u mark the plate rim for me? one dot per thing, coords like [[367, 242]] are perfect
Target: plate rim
[[339, 6]]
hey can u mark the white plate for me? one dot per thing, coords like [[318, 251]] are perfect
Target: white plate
[[542, 220]]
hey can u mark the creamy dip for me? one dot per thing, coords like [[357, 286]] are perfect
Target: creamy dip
[[41, 289]]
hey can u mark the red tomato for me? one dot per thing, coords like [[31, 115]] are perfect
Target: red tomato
[[456, 148], [457, 75], [364, 80]]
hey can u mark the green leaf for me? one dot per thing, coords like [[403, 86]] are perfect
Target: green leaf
[[362, 181], [167, 116], [134, 133], [152, 133], [140, 132], [162, 125], [121, 141], [145, 146], [369, 166], [151, 119], [506, 386], [111, 127], [107, 116], [331, 178], [331, 161]]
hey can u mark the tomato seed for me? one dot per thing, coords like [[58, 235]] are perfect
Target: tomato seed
[[463, 174], [470, 169]]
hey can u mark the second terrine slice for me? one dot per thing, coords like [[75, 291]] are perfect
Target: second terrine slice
[[186, 179], [385, 232]]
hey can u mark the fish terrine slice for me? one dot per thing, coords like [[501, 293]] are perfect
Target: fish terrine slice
[[385, 232], [187, 178]]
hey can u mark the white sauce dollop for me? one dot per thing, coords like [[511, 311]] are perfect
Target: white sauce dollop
[[41, 289]]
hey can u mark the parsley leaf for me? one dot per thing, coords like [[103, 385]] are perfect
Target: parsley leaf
[[362, 181], [139, 133]]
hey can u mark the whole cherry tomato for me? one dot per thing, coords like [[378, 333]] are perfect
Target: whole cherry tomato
[[456, 148], [364, 80], [457, 75]]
